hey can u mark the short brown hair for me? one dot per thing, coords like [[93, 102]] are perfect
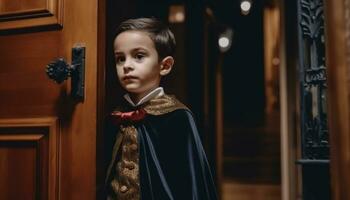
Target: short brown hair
[[160, 34]]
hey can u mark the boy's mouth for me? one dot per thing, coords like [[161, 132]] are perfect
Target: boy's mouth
[[129, 77]]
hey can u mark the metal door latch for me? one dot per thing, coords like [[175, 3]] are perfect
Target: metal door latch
[[59, 71]]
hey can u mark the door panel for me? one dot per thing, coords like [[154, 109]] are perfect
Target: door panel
[[68, 165], [30, 13], [28, 158], [24, 86]]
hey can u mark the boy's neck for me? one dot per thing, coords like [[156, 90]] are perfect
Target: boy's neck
[[137, 98]]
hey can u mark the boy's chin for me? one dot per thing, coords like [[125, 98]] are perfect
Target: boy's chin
[[133, 90]]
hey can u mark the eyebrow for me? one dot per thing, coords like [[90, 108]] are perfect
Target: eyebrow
[[132, 50]]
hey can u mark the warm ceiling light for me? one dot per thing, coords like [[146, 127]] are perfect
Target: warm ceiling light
[[225, 40], [246, 5], [180, 17], [176, 14]]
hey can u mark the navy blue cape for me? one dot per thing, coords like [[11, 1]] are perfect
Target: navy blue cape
[[172, 161]]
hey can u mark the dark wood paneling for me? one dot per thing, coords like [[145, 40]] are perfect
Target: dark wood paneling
[[28, 158], [15, 14]]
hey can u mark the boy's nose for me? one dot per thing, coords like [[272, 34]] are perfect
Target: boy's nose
[[128, 65]]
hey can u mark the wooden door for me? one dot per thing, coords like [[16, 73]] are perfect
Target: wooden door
[[47, 139]]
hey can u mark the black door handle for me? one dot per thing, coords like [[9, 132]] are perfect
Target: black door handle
[[59, 71]]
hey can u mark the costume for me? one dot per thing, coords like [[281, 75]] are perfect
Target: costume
[[157, 154]]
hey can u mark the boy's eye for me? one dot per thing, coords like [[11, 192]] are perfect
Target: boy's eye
[[139, 56], [119, 59]]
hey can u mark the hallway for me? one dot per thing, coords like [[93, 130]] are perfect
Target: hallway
[[238, 191], [252, 161]]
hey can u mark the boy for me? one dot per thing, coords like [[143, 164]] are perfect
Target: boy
[[157, 152]]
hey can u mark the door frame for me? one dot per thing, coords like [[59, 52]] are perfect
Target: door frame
[[337, 57]]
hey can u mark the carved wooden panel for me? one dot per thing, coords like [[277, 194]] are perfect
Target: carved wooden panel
[[28, 158], [15, 14]]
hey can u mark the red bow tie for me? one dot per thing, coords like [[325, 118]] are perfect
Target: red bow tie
[[133, 116]]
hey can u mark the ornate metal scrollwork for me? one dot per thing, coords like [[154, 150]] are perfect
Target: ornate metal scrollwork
[[313, 76], [58, 70], [313, 101]]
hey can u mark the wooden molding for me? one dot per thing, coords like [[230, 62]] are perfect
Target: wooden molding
[[337, 56], [288, 98], [33, 14], [42, 136]]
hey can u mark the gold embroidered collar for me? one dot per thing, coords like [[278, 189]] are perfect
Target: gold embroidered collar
[[156, 106]]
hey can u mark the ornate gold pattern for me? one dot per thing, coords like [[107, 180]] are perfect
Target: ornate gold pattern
[[126, 183], [162, 105]]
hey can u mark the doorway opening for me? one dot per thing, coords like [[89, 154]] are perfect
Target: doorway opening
[[247, 161]]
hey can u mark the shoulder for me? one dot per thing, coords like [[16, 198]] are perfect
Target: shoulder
[[163, 105], [181, 114], [173, 116], [177, 121]]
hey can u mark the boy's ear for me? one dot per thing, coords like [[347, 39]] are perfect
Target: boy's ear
[[166, 65]]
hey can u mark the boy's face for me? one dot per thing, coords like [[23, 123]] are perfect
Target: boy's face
[[137, 64]]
